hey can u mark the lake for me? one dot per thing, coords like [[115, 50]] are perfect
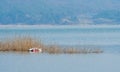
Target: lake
[[105, 37]]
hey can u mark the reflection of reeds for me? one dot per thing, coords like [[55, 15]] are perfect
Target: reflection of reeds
[[23, 44]]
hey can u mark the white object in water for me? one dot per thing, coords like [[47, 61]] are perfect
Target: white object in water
[[35, 50]]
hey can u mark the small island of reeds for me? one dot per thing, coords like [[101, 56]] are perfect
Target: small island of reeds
[[23, 44]]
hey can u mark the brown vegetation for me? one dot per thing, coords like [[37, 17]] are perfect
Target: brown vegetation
[[23, 44], [19, 44]]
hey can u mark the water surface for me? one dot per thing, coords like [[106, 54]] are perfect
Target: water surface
[[11, 62], [106, 38]]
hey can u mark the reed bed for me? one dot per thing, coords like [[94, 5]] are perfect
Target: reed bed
[[23, 44], [57, 50], [20, 44]]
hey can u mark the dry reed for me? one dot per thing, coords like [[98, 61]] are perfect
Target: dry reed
[[23, 44], [20, 44]]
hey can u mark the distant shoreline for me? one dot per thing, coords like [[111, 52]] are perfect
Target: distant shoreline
[[59, 26]]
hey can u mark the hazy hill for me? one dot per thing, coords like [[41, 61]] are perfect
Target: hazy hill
[[59, 12]]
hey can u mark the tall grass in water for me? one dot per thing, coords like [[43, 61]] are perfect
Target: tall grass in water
[[20, 44], [23, 44]]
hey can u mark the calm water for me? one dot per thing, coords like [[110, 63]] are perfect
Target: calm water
[[106, 38], [67, 36]]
